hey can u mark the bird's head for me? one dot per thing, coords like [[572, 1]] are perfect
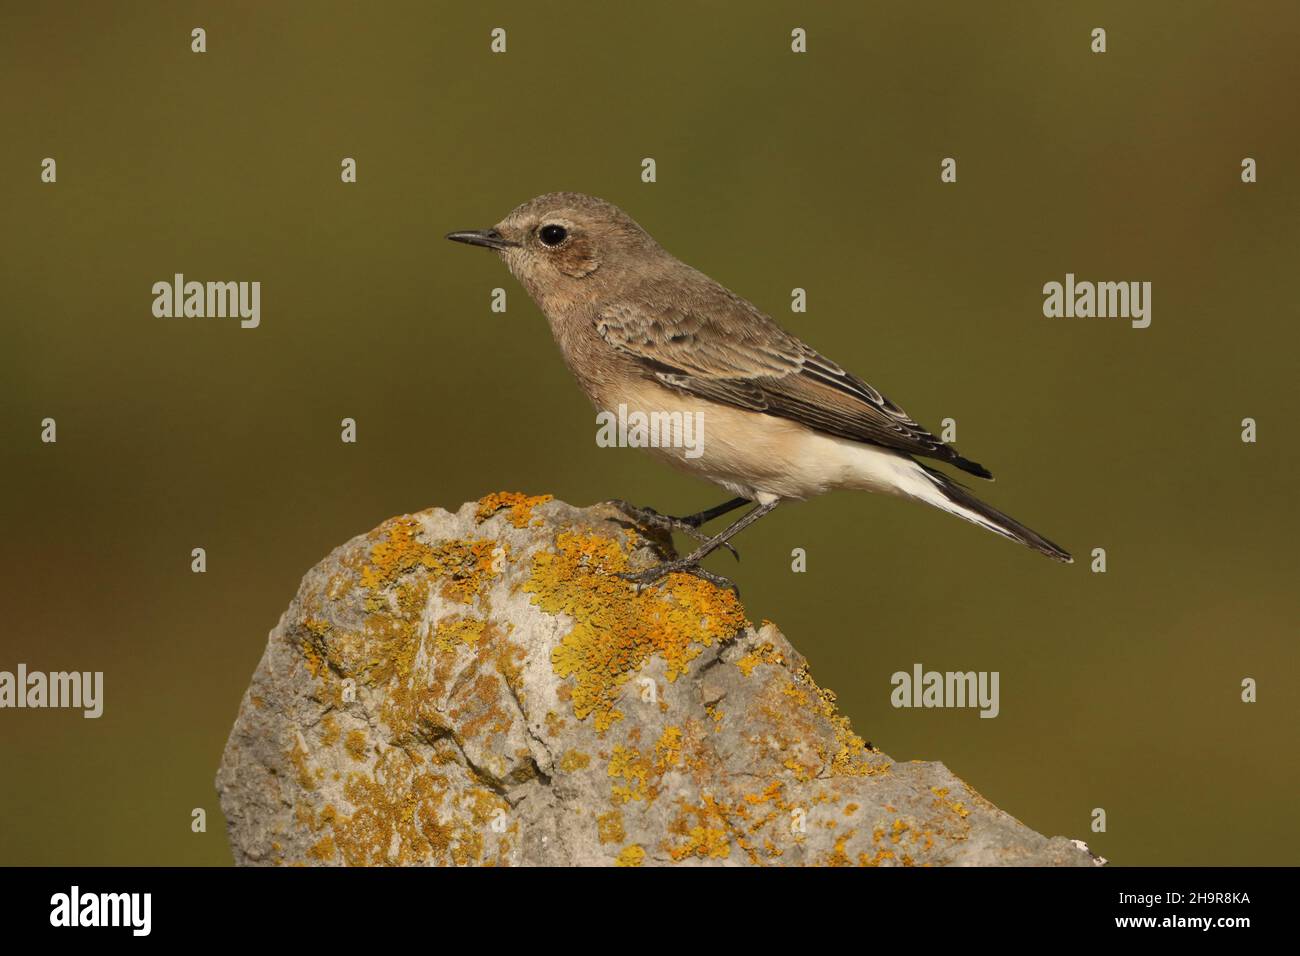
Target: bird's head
[[566, 248]]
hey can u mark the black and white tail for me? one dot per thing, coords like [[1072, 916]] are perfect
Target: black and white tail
[[953, 498]]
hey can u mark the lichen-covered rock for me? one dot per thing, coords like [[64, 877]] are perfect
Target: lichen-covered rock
[[480, 688]]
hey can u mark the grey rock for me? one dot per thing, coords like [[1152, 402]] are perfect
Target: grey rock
[[479, 688]]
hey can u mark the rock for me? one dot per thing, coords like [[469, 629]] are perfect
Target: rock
[[479, 688]]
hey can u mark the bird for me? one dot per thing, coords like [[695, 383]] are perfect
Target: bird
[[643, 331]]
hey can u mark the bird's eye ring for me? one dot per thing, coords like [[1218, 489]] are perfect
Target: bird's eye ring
[[552, 234]]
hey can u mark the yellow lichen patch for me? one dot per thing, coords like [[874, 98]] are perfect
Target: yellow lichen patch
[[630, 855], [574, 760], [839, 856], [880, 857], [609, 827], [396, 551], [318, 630], [390, 641], [355, 744], [317, 626], [404, 815], [627, 764], [704, 842], [798, 711], [521, 506], [458, 632], [668, 750], [709, 837], [323, 850], [316, 665], [466, 565], [765, 654], [800, 771], [954, 806], [616, 630], [467, 568], [399, 575], [770, 793], [853, 755]]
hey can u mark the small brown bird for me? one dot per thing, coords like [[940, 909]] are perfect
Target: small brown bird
[[644, 332]]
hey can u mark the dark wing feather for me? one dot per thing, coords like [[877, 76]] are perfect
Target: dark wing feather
[[726, 350]]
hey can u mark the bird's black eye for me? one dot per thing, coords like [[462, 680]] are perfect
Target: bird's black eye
[[553, 235]]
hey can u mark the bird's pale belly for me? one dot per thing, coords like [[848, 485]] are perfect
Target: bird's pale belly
[[754, 455]]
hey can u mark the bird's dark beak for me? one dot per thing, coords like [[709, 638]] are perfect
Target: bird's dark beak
[[482, 237]]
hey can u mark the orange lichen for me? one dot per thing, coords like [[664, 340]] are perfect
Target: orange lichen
[[709, 837], [315, 661], [521, 506], [616, 630], [770, 793], [668, 750]]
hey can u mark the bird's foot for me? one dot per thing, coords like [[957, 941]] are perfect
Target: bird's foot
[[643, 579], [667, 523]]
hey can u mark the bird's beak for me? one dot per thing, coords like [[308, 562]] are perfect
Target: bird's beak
[[482, 237]]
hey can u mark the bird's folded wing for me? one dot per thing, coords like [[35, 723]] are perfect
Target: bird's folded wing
[[730, 352]]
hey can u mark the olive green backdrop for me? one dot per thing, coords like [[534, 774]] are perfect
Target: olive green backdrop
[[775, 170]]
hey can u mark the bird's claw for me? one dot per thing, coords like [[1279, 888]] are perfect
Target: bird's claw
[[667, 523], [643, 579]]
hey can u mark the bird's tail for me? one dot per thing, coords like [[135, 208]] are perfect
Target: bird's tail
[[953, 498]]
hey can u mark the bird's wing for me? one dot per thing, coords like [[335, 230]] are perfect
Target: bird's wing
[[718, 346]]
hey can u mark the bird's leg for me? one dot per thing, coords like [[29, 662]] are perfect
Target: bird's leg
[[691, 563], [708, 514], [689, 525]]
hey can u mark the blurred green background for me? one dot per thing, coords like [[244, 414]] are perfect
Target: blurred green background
[[775, 170]]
